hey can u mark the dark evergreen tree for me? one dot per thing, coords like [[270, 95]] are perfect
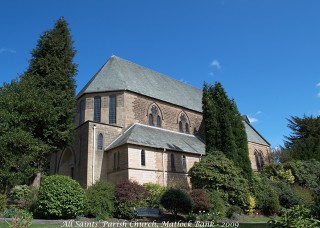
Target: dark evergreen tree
[[304, 141], [36, 111], [51, 72], [224, 129]]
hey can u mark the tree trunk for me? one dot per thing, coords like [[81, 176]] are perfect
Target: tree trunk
[[35, 180]]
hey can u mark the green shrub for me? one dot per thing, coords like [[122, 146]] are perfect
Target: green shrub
[[155, 192], [129, 195], [297, 216], [19, 217], [23, 196], [267, 198], [304, 195], [218, 204], [3, 202], [270, 202], [60, 197], [287, 197], [306, 174], [100, 200], [233, 212], [176, 200], [216, 171], [315, 209], [20, 192]]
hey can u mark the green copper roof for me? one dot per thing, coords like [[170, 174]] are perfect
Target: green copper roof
[[144, 135], [119, 74]]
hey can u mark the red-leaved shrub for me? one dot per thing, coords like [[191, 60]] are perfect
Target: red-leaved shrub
[[200, 199], [129, 195], [130, 191]]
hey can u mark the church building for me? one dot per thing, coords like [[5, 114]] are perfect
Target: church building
[[135, 123]]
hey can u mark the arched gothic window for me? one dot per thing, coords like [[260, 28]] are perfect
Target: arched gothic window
[[183, 124], [259, 159], [154, 118]]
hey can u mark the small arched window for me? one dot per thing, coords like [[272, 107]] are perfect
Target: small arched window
[[187, 128], [151, 120], [258, 159], [172, 164], [184, 163], [100, 142], [261, 158], [143, 158], [180, 127], [158, 121]]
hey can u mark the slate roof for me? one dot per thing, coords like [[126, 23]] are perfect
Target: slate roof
[[119, 74], [254, 136], [144, 135]]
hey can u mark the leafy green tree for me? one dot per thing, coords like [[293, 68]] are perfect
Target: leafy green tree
[[304, 141], [224, 129], [217, 172]]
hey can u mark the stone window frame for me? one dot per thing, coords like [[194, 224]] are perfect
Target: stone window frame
[[100, 141], [154, 115], [184, 163], [143, 157], [113, 109], [183, 123], [259, 157], [97, 109]]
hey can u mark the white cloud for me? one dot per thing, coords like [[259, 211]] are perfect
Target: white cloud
[[318, 94], [184, 81], [216, 63], [318, 85], [252, 119], [2, 50], [259, 112], [211, 74]]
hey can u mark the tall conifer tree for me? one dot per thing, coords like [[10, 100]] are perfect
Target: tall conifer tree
[[224, 129], [36, 112], [51, 73]]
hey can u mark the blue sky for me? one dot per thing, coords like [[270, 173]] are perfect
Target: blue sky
[[265, 53]]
